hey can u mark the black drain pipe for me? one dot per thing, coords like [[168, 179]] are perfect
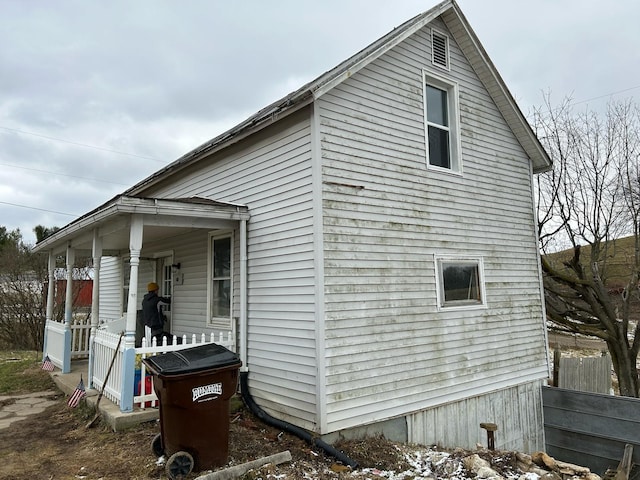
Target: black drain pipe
[[288, 427]]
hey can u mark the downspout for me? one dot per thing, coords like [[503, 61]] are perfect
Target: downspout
[[243, 295], [290, 428]]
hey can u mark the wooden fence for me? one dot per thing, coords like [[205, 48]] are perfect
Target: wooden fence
[[591, 429], [586, 374]]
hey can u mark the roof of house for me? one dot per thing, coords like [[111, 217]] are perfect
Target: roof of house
[[464, 36]]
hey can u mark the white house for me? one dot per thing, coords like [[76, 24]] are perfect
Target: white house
[[370, 240]]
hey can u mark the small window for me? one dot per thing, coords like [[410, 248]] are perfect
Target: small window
[[441, 115], [460, 283], [440, 49], [220, 281]]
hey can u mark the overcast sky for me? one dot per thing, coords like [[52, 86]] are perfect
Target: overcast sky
[[97, 95]]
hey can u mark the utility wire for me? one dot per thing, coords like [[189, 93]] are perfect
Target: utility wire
[[605, 95], [40, 209], [63, 174], [15, 130]]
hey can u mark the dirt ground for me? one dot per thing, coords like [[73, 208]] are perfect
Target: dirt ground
[[57, 445]]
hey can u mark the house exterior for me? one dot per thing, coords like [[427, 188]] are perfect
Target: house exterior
[[370, 240]]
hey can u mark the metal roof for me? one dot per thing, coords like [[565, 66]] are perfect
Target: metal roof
[[464, 36]]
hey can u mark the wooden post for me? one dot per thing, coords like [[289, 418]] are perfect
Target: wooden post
[[556, 366], [490, 428]]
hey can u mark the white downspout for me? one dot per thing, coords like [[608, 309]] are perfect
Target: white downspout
[[243, 296]]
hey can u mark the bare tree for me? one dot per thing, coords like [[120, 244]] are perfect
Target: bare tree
[[23, 292], [587, 203]]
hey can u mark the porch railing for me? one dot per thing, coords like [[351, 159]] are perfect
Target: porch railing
[[146, 396], [55, 347], [80, 336], [104, 352], [105, 344]]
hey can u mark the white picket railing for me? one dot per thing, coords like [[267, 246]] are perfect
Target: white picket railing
[[80, 336], [146, 396], [104, 350]]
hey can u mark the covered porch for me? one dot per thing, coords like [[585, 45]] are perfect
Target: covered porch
[[130, 231]]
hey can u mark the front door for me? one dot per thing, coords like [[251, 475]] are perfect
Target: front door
[[165, 282]]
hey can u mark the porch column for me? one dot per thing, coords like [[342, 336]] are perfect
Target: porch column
[[243, 295], [68, 310], [129, 357], [95, 300], [51, 290]]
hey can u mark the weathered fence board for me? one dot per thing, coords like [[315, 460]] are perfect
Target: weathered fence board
[[590, 429], [587, 374]]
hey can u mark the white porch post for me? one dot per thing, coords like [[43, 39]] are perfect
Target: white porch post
[[129, 358], [68, 310], [243, 295], [95, 300], [51, 290]]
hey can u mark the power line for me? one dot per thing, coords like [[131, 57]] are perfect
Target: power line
[[40, 209], [63, 174], [605, 95], [15, 130]]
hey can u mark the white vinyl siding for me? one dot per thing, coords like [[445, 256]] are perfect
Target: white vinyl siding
[[272, 176], [389, 349], [110, 303]]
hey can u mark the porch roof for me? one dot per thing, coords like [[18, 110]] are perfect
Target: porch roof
[[162, 217]]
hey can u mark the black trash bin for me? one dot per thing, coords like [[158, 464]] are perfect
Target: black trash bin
[[194, 386]]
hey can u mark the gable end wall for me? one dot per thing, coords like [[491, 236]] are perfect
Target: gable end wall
[[389, 350]]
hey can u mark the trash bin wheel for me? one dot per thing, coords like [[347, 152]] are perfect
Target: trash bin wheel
[[156, 446], [179, 465]]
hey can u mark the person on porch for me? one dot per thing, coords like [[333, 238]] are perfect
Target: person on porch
[[152, 315]]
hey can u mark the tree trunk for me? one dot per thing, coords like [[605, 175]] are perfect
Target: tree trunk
[[624, 364]]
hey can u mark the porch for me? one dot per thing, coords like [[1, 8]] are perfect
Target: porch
[[132, 232]]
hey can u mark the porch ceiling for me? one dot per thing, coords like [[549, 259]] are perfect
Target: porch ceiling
[[162, 218]]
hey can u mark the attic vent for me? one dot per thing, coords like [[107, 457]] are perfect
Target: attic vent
[[440, 49]]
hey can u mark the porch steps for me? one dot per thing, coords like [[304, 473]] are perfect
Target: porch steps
[[109, 411]]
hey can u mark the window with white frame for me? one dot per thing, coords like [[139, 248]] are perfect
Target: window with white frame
[[460, 282], [220, 288], [442, 124]]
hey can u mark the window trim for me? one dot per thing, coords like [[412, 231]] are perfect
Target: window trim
[[453, 111], [459, 305], [222, 323]]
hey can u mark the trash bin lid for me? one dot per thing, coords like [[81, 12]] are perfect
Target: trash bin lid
[[202, 357]]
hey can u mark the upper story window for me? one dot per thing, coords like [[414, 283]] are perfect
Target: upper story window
[[220, 285], [442, 124], [460, 282]]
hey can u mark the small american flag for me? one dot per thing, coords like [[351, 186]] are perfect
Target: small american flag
[[77, 395], [47, 364]]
